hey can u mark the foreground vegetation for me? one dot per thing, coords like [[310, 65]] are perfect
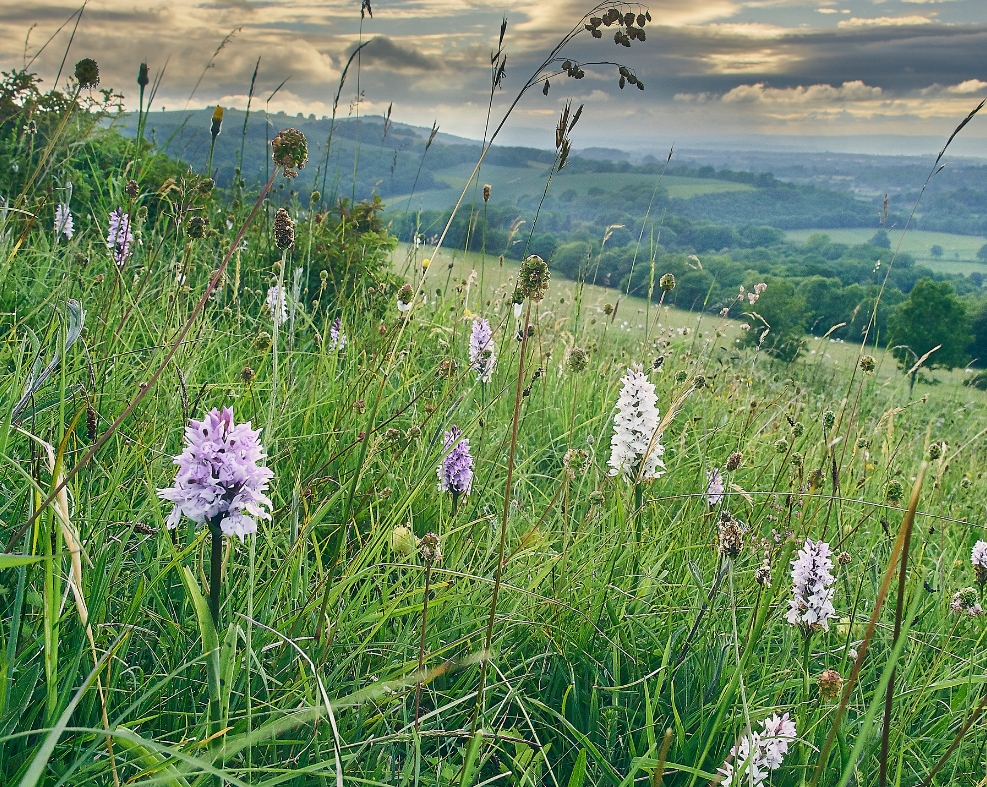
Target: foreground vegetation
[[555, 615]]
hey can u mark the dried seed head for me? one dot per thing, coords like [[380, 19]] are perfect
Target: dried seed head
[[868, 363], [92, 421], [667, 282], [196, 228], [142, 78], [576, 360], [284, 230], [486, 192], [830, 685], [894, 491], [132, 189], [844, 558], [936, 451], [430, 549], [533, 278], [762, 574], [87, 73], [247, 374], [205, 187], [731, 535], [290, 151], [734, 461]]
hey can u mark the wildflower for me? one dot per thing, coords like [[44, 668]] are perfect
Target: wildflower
[[667, 282], [762, 574], [979, 559], [574, 461], [132, 189], [635, 449], [734, 461], [219, 478], [731, 535], [868, 363], [577, 359], [196, 228], [405, 296], [337, 339], [758, 753], [87, 73], [781, 445], [965, 602], [284, 230], [483, 360], [276, 305], [828, 419], [455, 471], [119, 237], [936, 450], [811, 604], [290, 151], [798, 429], [533, 278], [714, 486], [63, 222], [425, 263], [830, 684], [486, 192], [403, 541], [894, 491], [430, 549], [217, 122]]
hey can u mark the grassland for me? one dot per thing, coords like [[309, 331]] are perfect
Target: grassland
[[959, 251]]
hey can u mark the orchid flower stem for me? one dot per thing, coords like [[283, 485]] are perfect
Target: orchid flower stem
[[215, 570]]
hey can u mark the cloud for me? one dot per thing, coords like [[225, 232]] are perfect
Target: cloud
[[885, 21], [384, 51], [813, 94], [967, 87]]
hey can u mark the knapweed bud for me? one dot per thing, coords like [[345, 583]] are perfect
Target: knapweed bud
[[868, 363], [735, 460], [142, 78], [290, 151], [196, 228], [608, 309], [263, 341], [798, 429], [936, 450], [284, 230], [828, 419], [205, 187], [798, 460], [894, 491], [315, 196], [403, 541], [667, 282], [830, 685], [533, 278], [430, 549], [87, 73], [217, 122], [486, 192]]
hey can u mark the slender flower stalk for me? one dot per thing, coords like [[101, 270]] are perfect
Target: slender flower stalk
[[430, 551], [220, 481], [277, 305]]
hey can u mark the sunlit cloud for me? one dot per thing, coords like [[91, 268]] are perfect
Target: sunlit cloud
[[885, 21]]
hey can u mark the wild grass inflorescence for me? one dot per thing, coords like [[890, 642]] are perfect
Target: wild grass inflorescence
[[631, 577]]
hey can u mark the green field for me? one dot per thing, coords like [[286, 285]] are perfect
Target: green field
[[959, 251], [510, 184]]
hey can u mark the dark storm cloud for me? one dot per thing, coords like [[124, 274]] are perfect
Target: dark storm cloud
[[383, 51]]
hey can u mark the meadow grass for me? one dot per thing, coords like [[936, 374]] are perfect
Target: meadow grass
[[639, 631]]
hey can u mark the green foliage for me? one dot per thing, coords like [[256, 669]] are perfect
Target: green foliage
[[982, 252], [777, 321], [936, 250], [880, 240], [931, 316]]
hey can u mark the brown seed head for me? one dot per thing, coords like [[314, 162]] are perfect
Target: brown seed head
[[284, 230], [430, 549], [830, 685]]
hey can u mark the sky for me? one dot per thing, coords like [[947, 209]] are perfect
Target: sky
[[883, 76]]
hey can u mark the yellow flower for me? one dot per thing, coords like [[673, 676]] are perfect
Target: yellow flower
[[467, 313], [425, 263]]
